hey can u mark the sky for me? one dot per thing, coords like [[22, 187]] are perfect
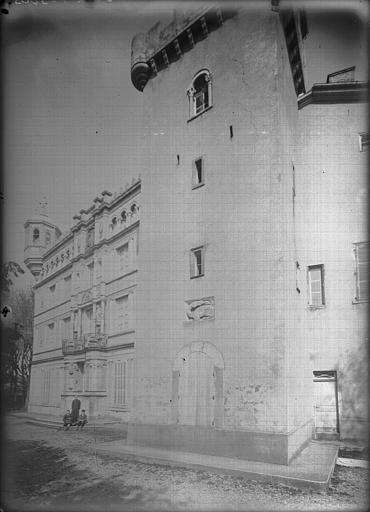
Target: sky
[[72, 120], [71, 116]]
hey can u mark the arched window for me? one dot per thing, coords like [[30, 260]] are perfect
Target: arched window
[[36, 235], [134, 211], [200, 93], [47, 238], [123, 216]]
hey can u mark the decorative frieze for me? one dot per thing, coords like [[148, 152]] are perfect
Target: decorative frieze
[[200, 309]]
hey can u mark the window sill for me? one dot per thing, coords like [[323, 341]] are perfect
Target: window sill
[[121, 333], [360, 301], [120, 408], [194, 187], [196, 277], [313, 308], [200, 113]]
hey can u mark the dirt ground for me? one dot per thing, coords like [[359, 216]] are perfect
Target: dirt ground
[[46, 469]]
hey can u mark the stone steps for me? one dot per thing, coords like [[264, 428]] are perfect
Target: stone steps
[[52, 422]]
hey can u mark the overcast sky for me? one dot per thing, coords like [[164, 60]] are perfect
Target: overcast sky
[[71, 114]]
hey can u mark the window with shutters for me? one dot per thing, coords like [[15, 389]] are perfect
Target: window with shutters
[[122, 314], [66, 328], [51, 334], [361, 250], [123, 258], [41, 336], [197, 262], [46, 381], [316, 297], [198, 173], [123, 383]]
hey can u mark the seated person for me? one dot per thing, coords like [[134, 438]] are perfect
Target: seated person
[[82, 420], [67, 420]]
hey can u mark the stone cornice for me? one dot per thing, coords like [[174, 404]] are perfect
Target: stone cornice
[[65, 239], [160, 46], [51, 276], [334, 93]]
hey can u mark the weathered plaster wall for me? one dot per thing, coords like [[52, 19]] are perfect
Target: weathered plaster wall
[[241, 216], [332, 198]]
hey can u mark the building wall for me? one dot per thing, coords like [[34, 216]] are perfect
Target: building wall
[[92, 285], [286, 191], [242, 216], [332, 202]]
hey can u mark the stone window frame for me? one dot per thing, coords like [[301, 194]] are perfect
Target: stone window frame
[[118, 327], [197, 269], [123, 268], [197, 181], [193, 94], [35, 235]]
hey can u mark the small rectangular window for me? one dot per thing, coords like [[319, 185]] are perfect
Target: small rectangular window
[[316, 296], [362, 271], [363, 141], [197, 262], [198, 173]]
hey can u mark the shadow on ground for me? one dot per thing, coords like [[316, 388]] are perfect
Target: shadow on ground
[[39, 477]]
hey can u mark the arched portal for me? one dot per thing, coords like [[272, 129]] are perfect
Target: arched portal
[[197, 385]]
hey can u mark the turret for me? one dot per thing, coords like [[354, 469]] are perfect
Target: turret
[[40, 235]]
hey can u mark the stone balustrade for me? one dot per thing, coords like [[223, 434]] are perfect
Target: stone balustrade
[[89, 341]]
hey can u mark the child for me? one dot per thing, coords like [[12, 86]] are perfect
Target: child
[[82, 420], [67, 420]]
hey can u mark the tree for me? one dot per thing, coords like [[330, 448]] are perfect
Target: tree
[[17, 348], [7, 270]]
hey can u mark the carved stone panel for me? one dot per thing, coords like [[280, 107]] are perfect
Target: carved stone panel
[[200, 309]]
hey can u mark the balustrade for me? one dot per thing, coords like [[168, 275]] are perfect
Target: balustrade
[[88, 341]]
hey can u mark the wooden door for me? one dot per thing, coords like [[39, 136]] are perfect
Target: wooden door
[[326, 405], [196, 391]]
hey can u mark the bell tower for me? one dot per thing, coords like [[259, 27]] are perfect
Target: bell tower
[[40, 235]]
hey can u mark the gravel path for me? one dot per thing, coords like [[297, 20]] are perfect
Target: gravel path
[[56, 470]]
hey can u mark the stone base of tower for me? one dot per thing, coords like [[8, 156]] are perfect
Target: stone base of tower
[[277, 448]]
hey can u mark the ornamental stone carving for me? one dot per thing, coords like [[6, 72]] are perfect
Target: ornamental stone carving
[[200, 309], [73, 377]]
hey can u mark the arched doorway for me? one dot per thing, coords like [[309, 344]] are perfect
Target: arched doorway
[[197, 385]]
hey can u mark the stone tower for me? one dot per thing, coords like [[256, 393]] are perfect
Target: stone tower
[[40, 235]]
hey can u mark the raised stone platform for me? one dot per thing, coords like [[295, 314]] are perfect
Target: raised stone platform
[[312, 468], [53, 422]]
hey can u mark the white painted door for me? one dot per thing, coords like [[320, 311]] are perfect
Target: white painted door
[[196, 400]]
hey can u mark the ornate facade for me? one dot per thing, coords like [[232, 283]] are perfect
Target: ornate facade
[[85, 307]]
